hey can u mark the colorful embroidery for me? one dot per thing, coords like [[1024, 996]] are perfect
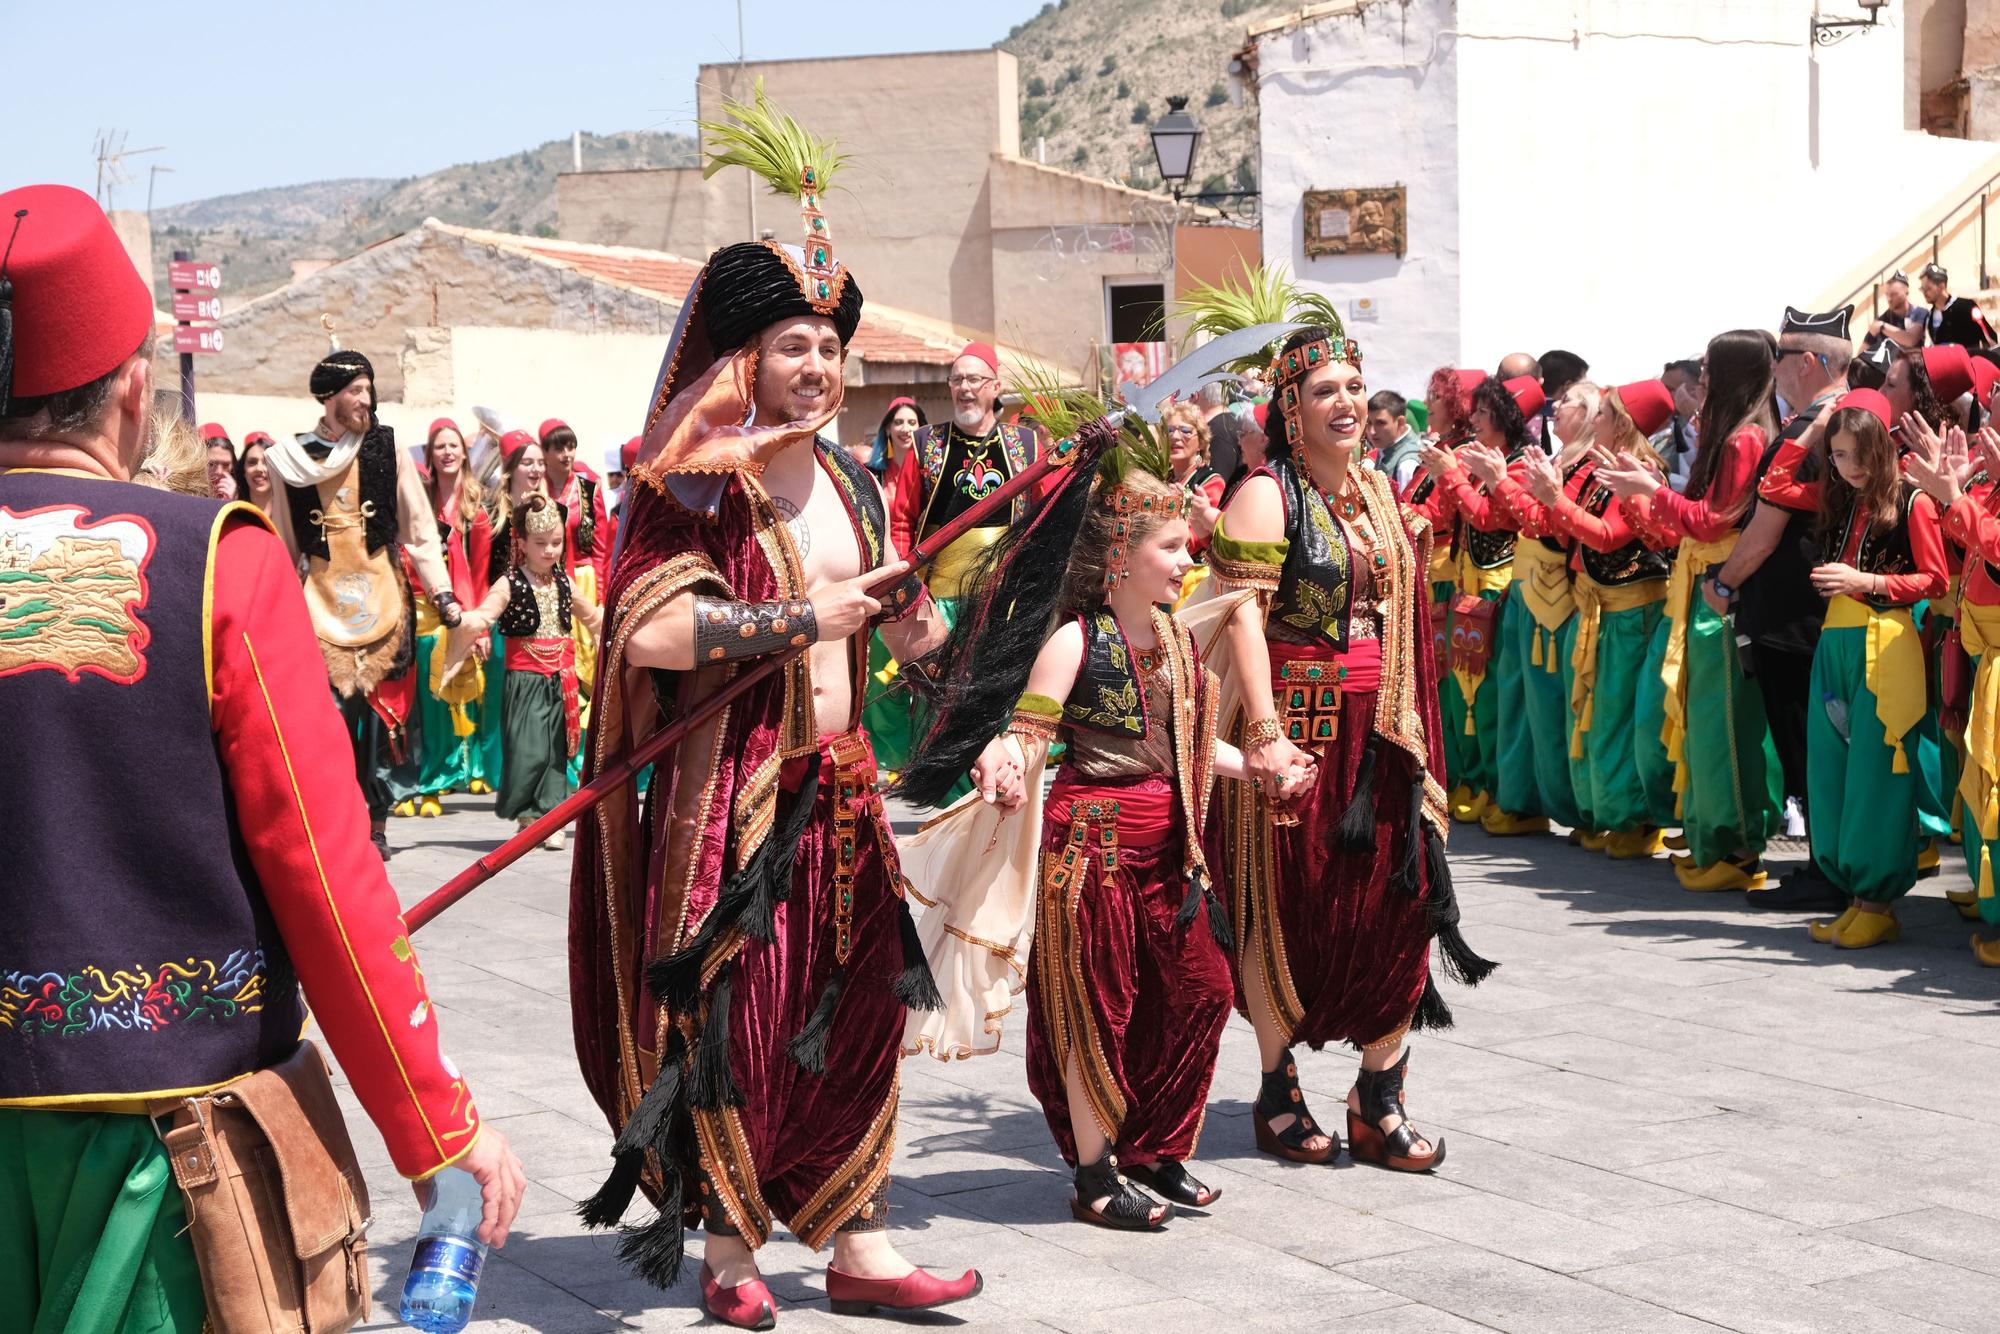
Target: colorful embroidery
[[139, 998], [70, 593]]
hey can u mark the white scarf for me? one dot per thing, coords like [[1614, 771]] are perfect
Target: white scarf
[[296, 467]]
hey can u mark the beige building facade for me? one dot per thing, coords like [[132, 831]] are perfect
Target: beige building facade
[[938, 212]]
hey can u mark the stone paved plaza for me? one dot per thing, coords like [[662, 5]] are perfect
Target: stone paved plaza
[[1663, 1113]]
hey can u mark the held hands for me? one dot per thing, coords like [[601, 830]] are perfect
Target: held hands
[[1840, 579], [998, 776], [843, 609], [1280, 767]]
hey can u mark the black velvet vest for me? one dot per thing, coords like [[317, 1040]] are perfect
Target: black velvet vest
[[1108, 696], [1633, 563], [378, 489], [1311, 603], [522, 616], [137, 953], [1879, 553]]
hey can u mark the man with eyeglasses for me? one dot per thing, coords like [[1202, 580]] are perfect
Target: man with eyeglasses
[[1769, 573]]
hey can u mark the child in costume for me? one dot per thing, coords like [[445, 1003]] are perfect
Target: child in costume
[[535, 610], [1128, 991]]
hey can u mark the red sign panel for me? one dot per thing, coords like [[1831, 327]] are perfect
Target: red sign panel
[[193, 306], [193, 276], [197, 338]]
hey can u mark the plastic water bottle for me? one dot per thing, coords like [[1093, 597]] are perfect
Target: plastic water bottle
[[444, 1273], [1836, 712]]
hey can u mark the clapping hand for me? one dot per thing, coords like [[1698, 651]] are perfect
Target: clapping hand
[[1487, 464], [1629, 477], [1939, 466], [1435, 458], [1544, 481]]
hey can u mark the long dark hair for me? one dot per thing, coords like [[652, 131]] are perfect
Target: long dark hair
[[1923, 394], [984, 664], [1742, 377], [1506, 414], [879, 460], [1882, 496]]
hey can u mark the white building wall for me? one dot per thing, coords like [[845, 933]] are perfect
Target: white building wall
[[1631, 176], [1370, 100]]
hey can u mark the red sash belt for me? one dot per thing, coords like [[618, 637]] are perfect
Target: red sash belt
[[552, 657], [1145, 809]]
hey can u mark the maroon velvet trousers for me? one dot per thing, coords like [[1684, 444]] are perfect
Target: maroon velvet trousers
[[808, 1137], [1355, 948], [1151, 993]]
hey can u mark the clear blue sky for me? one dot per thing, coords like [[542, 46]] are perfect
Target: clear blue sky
[[280, 92]]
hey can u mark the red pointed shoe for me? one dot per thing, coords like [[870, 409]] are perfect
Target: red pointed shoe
[[914, 1291], [746, 1306]]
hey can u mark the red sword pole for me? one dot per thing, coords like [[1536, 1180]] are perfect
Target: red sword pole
[[1068, 454]]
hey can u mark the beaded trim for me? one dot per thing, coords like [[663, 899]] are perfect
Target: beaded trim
[[1129, 507], [1291, 368]]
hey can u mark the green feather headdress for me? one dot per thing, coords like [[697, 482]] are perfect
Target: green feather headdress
[[1265, 295], [1063, 410], [795, 162]]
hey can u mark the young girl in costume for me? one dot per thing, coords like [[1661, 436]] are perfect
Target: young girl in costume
[[1320, 631], [1128, 986], [1868, 677], [535, 610]]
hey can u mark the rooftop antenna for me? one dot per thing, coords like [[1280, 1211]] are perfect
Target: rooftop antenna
[[111, 154], [153, 171]]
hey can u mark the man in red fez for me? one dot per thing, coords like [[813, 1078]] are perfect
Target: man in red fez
[[1769, 574], [742, 959], [177, 830], [350, 505]]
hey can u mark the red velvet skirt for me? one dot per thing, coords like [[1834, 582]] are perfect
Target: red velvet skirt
[[807, 1138], [1137, 996], [1352, 951]]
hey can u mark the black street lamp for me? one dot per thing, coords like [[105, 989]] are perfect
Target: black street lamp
[[1175, 136], [1826, 32]]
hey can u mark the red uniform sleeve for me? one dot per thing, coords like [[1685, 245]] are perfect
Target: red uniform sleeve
[[1781, 485], [1933, 576], [1607, 533], [1437, 506], [600, 552], [1972, 526], [904, 501], [1474, 505], [1530, 517], [1716, 513], [305, 827], [478, 553], [1657, 527]]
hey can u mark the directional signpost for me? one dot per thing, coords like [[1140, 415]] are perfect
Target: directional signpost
[[195, 286]]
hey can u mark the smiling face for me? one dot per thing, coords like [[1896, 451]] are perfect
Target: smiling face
[[448, 453], [1483, 426], [1333, 407], [531, 474], [975, 389], [1184, 445], [349, 410], [1158, 561], [1572, 410], [903, 428], [798, 370]]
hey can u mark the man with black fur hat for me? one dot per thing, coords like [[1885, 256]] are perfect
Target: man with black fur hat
[[742, 959], [1769, 573], [350, 504]]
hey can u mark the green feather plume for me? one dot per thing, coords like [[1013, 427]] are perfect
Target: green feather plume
[[1062, 410], [1266, 295], [1138, 447], [761, 136]]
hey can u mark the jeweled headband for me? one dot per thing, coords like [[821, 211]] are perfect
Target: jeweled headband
[[1128, 505], [1292, 367], [543, 519]]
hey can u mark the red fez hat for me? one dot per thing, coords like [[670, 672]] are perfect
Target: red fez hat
[[1647, 403], [628, 454], [985, 352], [1950, 369], [512, 443], [1870, 401], [1984, 373], [1527, 394], [258, 438], [1469, 380], [1262, 412], [212, 431], [904, 402], [550, 427], [79, 307]]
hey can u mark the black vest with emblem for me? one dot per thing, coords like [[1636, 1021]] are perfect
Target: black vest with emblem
[[1633, 563], [137, 954], [1489, 551], [377, 457], [1881, 553], [522, 616], [1107, 696], [1311, 604]]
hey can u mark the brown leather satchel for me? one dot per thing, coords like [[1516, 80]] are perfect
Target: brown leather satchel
[[276, 1203]]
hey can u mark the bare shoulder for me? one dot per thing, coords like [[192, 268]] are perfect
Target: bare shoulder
[[1256, 513]]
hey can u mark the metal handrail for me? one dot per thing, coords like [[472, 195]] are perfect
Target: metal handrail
[[1983, 196]]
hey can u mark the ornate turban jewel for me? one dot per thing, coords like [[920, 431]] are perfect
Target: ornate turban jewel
[[544, 519]]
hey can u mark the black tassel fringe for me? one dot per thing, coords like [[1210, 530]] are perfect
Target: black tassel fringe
[[1218, 922], [1409, 877], [1357, 823], [808, 1046], [1432, 1013], [605, 1208], [655, 1251], [1191, 901], [915, 987], [713, 1085]]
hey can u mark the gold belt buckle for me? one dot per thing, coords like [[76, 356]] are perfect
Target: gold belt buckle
[[1308, 702]]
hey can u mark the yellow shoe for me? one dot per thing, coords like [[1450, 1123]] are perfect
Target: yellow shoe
[[1964, 898], [407, 807], [430, 807], [1501, 824], [1928, 860], [1867, 928], [1986, 951], [1824, 932], [1464, 806], [1674, 842], [1957, 837], [1724, 874], [1631, 844], [479, 788], [1590, 840]]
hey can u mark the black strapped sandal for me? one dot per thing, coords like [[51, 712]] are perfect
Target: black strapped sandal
[[1126, 1207], [1381, 1093], [1170, 1180], [1280, 1096]]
